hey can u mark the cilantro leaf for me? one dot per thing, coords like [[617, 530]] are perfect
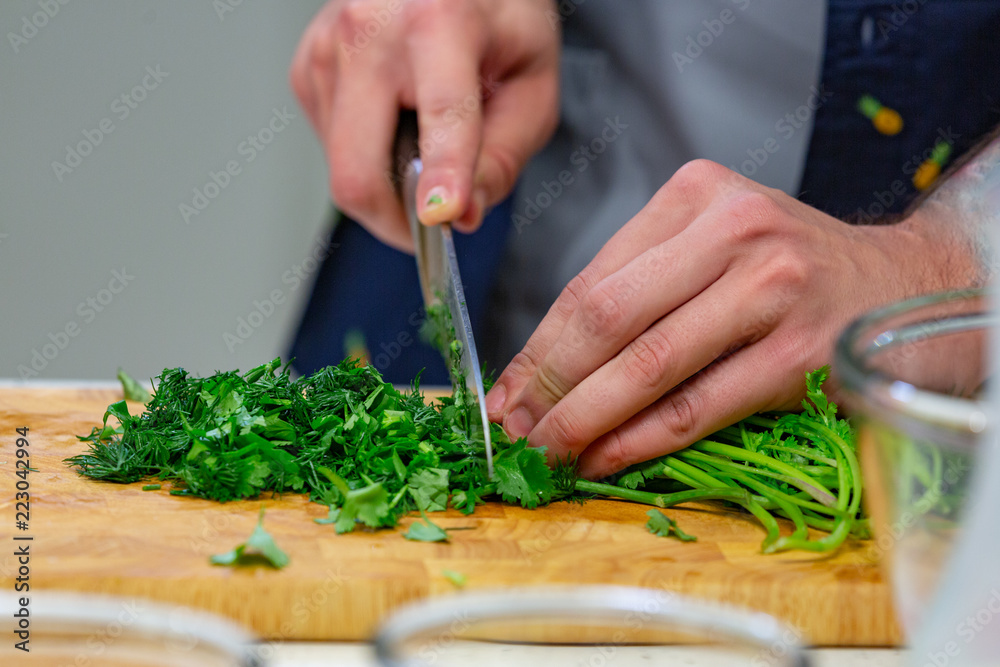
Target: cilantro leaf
[[132, 389], [426, 531], [663, 526], [260, 545], [465, 501], [332, 515], [522, 474], [429, 487], [456, 578], [368, 505]]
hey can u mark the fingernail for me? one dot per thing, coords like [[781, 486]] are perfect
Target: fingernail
[[437, 198], [495, 399], [519, 423]]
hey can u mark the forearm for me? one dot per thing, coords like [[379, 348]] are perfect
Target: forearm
[[961, 211]]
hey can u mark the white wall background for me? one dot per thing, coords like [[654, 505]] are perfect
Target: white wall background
[[62, 235]]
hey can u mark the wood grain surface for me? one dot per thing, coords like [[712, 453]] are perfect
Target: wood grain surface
[[117, 539]]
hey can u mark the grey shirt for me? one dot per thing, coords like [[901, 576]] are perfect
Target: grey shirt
[[648, 85]]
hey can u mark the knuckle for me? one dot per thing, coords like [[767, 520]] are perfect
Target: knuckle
[[351, 190], [551, 384], [521, 362], [690, 186], [754, 214], [425, 13], [521, 366], [577, 288], [697, 174], [787, 269], [567, 431], [615, 452], [649, 357], [679, 414], [350, 20], [601, 312], [353, 15]]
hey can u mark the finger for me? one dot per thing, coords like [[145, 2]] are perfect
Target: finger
[[445, 43], [722, 318], [358, 145], [755, 379], [518, 119], [312, 72], [615, 312], [685, 196]]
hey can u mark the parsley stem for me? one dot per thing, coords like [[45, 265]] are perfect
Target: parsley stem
[[803, 481]]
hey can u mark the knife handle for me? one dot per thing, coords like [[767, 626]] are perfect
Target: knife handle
[[405, 153]]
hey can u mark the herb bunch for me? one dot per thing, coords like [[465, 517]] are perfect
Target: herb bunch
[[798, 466]]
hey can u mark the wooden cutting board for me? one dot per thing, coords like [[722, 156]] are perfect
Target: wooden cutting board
[[117, 539]]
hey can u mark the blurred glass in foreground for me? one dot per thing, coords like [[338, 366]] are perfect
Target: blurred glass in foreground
[[915, 378], [79, 630], [583, 625]]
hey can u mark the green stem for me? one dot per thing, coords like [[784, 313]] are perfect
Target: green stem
[[665, 500], [727, 467], [703, 479], [804, 482], [644, 497], [803, 452]]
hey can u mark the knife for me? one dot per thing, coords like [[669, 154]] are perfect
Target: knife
[[440, 280]]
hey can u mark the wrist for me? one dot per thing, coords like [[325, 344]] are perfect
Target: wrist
[[962, 213]]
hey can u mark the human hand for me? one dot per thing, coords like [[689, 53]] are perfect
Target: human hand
[[709, 305], [482, 75]]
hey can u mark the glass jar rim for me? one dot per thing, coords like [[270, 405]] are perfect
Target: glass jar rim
[[918, 411]]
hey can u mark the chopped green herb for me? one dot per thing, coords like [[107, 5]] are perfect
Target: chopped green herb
[[426, 531], [260, 545], [456, 578], [151, 487], [132, 389], [662, 525]]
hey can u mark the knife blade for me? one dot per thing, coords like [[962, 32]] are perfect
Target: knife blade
[[441, 280]]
